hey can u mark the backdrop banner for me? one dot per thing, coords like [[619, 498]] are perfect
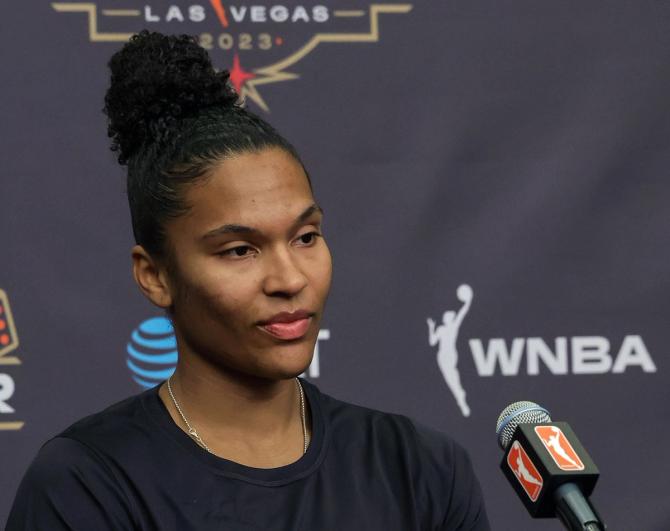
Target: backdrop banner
[[494, 181]]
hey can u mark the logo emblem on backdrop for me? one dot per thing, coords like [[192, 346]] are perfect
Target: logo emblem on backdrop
[[532, 355], [445, 335], [559, 448], [152, 352], [9, 342], [9, 339], [525, 471], [259, 43]]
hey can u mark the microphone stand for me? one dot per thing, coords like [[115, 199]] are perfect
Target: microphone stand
[[575, 511]]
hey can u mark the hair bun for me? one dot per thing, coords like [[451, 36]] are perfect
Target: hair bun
[[158, 80]]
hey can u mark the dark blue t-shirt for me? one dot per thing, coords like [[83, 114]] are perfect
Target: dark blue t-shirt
[[132, 467]]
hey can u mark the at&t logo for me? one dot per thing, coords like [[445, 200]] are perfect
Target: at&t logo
[[152, 352]]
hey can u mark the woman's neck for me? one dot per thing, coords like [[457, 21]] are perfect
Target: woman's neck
[[252, 421]]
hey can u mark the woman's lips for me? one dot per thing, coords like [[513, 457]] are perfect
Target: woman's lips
[[286, 331], [287, 325]]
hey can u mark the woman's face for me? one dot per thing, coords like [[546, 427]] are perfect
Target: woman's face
[[251, 271]]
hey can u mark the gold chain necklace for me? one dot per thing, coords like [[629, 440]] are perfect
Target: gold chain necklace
[[194, 434]]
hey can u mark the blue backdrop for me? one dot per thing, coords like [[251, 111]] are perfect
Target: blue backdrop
[[516, 147]]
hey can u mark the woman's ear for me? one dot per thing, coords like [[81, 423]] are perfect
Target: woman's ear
[[151, 277]]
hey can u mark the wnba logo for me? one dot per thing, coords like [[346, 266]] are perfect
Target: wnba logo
[[559, 448], [567, 355], [524, 471]]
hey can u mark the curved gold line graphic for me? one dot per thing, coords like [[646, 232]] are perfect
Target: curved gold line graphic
[[11, 425], [274, 73], [318, 38], [349, 13], [121, 12], [92, 11]]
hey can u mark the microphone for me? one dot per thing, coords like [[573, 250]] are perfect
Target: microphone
[[548, 467]]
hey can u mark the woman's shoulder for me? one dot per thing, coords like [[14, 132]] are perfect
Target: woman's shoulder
[[388, 428], [69, 481], [438, 467], [85, 452], [98, 440], [116, 421]]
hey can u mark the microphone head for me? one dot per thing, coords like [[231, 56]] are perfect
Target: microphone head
[[523, 412]]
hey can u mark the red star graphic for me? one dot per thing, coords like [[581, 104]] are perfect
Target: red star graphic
[[239, 76]]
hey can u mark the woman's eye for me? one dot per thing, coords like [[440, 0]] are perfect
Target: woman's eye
[[308, 238], [238, 252]]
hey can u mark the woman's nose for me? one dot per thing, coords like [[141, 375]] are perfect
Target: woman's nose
[[284, 277]]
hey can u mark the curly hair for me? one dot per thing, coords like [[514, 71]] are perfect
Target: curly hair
[[171, 118]]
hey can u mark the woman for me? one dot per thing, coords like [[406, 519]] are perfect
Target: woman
[[229, 243]]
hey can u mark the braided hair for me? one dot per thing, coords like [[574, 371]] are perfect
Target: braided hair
[[171, 118]]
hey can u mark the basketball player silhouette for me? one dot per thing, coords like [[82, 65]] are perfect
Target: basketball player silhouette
[[521, 471], [446, 335], [554, 441]]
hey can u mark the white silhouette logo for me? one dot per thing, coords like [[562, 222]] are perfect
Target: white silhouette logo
[[523, 468], [446, 335], [554, 443], [559, 447], [521, 471]]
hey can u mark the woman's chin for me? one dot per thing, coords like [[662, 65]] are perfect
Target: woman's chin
[[290, 363]]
